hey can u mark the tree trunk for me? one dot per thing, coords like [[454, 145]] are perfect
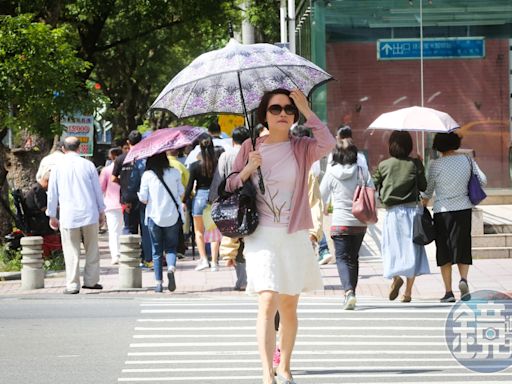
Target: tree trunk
[[5, 218]]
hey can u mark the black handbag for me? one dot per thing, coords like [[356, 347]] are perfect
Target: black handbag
[[423, 230], [235, 213]]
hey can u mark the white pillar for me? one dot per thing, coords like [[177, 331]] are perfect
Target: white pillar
[[282, 18], [247, 27], [291, 25]]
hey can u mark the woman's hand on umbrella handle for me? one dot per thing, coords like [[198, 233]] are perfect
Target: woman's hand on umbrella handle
[[301, 102], [252, 165], [254, 160]]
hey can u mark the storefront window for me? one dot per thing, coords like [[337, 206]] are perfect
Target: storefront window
[[371, 48]]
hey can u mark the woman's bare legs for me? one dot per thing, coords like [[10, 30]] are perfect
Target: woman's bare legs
[[446, 273], [199, 233], [288, 332], [408, 286], [215, 251], [266, 333], [463, 270]]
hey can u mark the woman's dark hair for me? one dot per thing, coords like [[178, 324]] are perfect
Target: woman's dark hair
[[240, 134], [444, 142], [344, 153], [261, 113], [344, 132], [116, 151], [208, 159], [400, 144], [158, 163]]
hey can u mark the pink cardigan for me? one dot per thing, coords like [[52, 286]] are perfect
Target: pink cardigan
[[307, 151]]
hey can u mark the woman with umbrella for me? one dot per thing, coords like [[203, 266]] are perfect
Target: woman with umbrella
[[399, 180], [161, 190], [280, 259]]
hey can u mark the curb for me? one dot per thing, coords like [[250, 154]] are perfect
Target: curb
[[5, 276]]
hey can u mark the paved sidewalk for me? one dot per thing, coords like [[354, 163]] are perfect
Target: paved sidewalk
[[495, 274]]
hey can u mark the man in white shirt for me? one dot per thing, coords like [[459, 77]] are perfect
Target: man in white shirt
[[74, 194]]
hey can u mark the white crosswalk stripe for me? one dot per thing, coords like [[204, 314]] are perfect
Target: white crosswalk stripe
[[212, 340]]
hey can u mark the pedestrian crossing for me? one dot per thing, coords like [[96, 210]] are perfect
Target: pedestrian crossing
[[212, 340]]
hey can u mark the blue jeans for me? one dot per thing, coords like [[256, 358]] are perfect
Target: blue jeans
[[322, 244], [146, 254], [163, 239], [347, 259]]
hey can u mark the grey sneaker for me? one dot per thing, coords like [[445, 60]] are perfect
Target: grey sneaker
[[464, 290], [350, 301]]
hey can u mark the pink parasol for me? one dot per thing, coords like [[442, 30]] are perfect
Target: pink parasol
[[163, 140]]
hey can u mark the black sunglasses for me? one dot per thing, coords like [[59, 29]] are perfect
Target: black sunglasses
[[276, 109]]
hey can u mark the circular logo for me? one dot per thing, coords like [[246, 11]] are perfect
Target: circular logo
[[478, 331]]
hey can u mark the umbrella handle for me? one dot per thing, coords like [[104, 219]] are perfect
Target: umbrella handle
[[260, 181]]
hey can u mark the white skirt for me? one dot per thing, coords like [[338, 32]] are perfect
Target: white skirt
[[281, 262]]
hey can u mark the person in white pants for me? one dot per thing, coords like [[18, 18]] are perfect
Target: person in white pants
[[74, 191], [113, 210]]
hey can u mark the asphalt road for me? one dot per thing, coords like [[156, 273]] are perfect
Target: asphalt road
[[211, 339]]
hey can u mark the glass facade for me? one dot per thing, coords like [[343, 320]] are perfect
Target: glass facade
[[372, 48]]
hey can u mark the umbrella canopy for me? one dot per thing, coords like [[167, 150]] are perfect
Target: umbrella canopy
[[163, 140], [415, 119], [233, 79]]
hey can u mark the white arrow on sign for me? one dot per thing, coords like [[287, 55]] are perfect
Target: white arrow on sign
[[386, 47]]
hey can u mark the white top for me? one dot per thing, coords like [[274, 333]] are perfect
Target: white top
[[160, 206], [48, 163], [227, 144], [74, 188], [448, 178]]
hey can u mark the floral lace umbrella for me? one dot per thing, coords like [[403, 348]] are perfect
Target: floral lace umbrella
[[233, 79]]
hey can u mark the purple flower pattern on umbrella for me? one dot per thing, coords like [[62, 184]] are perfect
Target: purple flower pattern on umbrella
[[210, 83]]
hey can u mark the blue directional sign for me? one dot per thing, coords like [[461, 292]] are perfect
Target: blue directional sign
[[433, 48]]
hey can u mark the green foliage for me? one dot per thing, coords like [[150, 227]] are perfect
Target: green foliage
[[264, 15], [55, 262], [39, 75], [10, 261]]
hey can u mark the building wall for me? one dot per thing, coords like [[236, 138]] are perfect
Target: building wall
[[475, 92]]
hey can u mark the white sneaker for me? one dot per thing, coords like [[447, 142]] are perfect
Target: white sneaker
[[115, 261], [203, 264], [327, 258], [215, 267]]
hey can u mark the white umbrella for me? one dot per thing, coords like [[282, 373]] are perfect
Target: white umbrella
[[415, 119]]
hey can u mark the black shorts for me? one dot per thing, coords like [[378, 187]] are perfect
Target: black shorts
[[453, 237]]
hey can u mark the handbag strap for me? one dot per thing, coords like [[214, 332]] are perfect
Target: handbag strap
[[416, 174], [170, 193], [471, 164], [360, 177]]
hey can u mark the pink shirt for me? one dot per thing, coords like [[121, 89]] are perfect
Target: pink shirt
[[279, 170], [306, 151], [111, 191]]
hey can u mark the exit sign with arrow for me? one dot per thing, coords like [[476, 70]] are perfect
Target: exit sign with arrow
[[433, 48]]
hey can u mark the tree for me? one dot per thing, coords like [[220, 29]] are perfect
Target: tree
[[40, 78]]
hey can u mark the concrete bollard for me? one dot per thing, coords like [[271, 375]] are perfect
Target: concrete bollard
[[130, 275], [32, 273]]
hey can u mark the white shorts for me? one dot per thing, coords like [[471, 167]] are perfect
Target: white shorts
[[281, 262]]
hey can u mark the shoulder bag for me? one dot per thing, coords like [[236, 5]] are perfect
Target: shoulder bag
[[363, 203], [423, 230], [235, 213], [475, 191]]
